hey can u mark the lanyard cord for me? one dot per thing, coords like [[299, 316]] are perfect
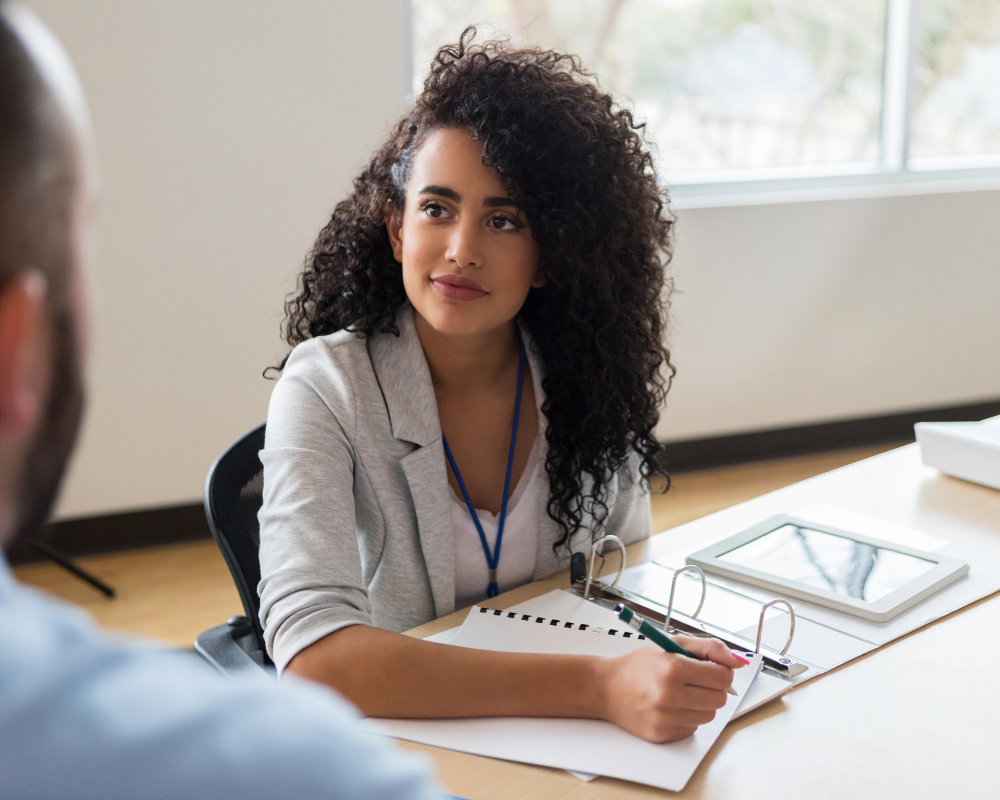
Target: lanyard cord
[[492, 559]]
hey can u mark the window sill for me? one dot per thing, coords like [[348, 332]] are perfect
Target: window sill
[[930, 177]]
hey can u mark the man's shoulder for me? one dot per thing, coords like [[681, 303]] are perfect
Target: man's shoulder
[[96, 717]]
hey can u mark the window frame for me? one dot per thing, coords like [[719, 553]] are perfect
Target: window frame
[[894, 173]]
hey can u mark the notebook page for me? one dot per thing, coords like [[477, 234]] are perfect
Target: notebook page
[[511, 632], [583, 745]]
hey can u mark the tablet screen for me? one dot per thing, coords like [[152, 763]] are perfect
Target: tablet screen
[[825, 561]]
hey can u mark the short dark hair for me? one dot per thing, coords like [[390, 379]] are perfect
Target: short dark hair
[[37, 171]]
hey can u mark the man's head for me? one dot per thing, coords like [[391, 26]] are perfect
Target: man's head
[[45, 195]]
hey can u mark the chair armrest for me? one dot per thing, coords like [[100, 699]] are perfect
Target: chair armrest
[[221, 648]]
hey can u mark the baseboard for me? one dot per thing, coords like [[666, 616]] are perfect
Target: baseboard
[[124, 531], [691, 454], [185, 523]]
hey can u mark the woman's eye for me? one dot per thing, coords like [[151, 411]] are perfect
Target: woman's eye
[[502, 223], [434, 210]]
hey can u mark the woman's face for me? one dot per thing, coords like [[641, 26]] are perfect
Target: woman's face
[[468, 255]]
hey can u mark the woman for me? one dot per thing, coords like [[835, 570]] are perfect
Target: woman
[[472, 397]]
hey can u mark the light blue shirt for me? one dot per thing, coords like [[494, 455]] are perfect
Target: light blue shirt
[[82, 716]]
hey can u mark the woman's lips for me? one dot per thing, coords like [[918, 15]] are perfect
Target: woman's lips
[[458, 288]]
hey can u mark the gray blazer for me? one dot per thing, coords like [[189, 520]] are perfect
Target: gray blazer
[[355, 527]]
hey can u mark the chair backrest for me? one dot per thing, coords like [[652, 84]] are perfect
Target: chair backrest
[[233, 496]]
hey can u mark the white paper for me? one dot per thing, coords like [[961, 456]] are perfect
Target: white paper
[[581, 745], [574, 744], [764, 689], [569, 606], [444, 637], [509, 632]]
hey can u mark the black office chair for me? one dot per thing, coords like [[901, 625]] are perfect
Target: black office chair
[[233, 496]]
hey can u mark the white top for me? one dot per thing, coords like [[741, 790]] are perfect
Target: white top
[[519, 548]]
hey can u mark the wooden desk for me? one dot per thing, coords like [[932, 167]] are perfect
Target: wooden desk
[[918, 718]]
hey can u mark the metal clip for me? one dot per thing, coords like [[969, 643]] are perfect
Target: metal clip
[[593, 552], [760, 625], [673, 586]]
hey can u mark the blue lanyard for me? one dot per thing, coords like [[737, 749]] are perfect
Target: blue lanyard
[[492, 559]]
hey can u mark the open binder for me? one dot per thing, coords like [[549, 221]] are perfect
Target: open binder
[[776, 662], [798, 640]]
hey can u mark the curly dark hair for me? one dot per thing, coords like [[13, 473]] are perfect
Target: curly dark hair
[[576, 164]]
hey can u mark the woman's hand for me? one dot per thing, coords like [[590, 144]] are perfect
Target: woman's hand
[[663, 697], [656, 695]]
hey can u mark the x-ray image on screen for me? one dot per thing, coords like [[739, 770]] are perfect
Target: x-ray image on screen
[[825, 561]]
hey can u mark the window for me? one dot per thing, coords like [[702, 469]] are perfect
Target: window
[[773, 92], [956, 110]]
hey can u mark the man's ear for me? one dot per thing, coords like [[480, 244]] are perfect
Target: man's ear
[[23, 350], [394, 225]]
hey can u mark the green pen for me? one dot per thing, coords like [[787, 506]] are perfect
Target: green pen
[[632, 619]]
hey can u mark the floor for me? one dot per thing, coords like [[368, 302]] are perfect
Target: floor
[[174, 592]]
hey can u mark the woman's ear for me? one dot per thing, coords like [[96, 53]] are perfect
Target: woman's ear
[[394, 225], [539, 280]]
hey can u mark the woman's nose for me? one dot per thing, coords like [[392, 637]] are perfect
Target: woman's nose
[[465, 245]]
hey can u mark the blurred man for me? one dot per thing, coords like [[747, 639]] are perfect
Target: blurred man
[[81, 717]]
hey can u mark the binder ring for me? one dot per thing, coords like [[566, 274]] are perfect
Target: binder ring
[[593, 552], [673, 585], [760, 625]]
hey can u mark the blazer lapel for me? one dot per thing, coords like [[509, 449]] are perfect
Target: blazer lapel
[[401, 370], [405, 380], [428, 481]]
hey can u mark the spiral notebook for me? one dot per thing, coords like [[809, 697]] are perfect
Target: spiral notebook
[[567, 605], [579, 745]]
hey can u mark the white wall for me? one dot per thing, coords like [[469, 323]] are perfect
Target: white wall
[[228, 129], [797, 313]]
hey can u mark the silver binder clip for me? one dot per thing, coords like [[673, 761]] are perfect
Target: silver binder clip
[[673, 586], [593, 552], [760, 625]]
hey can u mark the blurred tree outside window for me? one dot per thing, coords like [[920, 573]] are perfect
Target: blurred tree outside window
[[732, 88], [957, 79]]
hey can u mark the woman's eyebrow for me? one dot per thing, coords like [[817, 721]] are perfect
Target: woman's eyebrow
[[451, 194], [500, 202], [442, 191]]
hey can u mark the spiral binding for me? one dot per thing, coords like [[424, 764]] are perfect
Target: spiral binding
[[556, 623]]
